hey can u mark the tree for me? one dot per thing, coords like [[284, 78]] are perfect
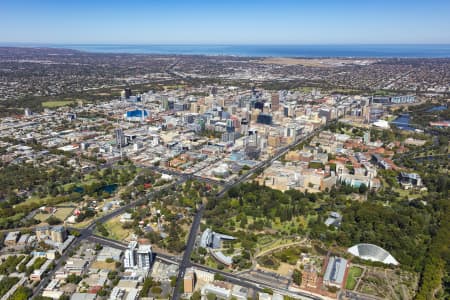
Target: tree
[[173, 281], [53, 220], [219, 277], [196, 295], [73, 278], [22, 293], [211, 296], [297, 277], [362, 188]]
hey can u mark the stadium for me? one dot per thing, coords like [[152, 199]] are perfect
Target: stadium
[[373, 253]]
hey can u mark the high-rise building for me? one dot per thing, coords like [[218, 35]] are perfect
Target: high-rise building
[[127, 93], [28, 112], [366, 137], [130, 255], [264, 119], [138, 256], [144, 257], [58, 234], [43, 232], [275, 101], [259, 105], [120, 137]]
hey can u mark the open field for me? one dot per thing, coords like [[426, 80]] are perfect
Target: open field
[[63, 212], [115, 229], [41, 217], [53, 104]]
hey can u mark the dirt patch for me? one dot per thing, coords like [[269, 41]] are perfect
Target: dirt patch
[[103, 265]]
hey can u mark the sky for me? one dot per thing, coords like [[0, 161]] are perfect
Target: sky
[[225, 22]]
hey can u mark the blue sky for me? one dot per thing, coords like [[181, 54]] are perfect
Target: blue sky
[[226, 22]]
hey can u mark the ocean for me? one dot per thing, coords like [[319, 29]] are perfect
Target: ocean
[[355, 51]]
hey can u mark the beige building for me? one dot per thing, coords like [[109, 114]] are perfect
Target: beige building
[[189, 281]]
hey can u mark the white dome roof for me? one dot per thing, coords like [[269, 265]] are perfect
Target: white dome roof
[[372, 252]]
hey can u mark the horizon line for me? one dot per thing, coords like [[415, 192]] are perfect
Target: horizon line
[[221, 44]]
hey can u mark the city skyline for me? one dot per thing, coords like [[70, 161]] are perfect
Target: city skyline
[[232, 22]]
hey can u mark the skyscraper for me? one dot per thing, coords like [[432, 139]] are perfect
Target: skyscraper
[[275, 101], [120, 138], [127, 93]]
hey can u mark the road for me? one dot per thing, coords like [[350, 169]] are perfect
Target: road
[[186, 261], [232, 278], [87, 233], [196, 223]]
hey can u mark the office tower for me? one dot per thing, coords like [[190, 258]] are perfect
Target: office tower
[[275, 101], [366, 137], [127, 93], [286, 111], [264, 119], [120, 138], [259, 105]]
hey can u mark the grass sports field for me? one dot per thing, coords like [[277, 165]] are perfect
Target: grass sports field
[[53, 104]]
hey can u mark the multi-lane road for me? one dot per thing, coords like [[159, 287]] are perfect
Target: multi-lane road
[[196, 223], [185, 262], [87, 233], [232, 278]]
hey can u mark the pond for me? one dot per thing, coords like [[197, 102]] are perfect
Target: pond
[[110, 188], [437, 108], [402, 122]]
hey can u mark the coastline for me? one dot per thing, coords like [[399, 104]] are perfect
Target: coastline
[[341, 51]]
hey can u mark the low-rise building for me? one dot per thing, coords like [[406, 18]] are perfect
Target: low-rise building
[[11, 238], [335, 272]]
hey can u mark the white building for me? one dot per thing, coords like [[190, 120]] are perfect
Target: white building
[[129, 257], [144, 257], [138, 256]]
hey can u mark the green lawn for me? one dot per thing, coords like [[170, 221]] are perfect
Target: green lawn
[[54, 104], [115, 229], [34, 200], [63, 212], [41, 217], [353, 274]]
